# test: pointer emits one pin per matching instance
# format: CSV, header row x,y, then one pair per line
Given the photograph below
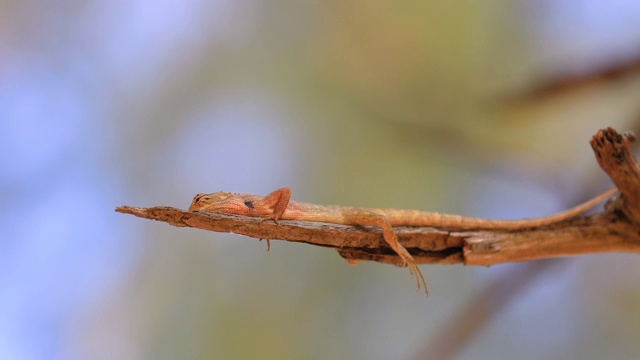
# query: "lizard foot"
x,y
416,273
268,245
414,270
270,217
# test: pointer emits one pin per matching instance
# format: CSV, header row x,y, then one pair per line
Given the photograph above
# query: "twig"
x,y
613,230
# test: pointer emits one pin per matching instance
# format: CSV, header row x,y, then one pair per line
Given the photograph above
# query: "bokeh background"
x,y
443,106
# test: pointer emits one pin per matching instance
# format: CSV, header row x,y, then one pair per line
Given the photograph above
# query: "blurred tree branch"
x,y
568,82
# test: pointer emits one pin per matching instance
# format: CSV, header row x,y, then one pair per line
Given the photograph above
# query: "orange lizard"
x,y
277,206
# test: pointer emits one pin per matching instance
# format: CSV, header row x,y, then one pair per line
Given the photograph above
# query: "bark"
x,y
614,229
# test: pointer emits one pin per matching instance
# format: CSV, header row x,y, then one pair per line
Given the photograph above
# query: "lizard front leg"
x,y
275,203
362,217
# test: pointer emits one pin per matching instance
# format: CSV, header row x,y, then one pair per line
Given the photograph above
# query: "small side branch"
x,y
613,152
616,229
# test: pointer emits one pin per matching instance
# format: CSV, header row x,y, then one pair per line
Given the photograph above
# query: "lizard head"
x,y
221,202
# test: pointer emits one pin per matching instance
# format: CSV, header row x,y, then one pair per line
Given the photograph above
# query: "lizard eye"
x,y
198,197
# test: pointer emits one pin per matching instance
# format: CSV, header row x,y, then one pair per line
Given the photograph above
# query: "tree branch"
x,y
613,230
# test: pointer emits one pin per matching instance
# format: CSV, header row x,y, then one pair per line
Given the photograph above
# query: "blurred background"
x,y
476,108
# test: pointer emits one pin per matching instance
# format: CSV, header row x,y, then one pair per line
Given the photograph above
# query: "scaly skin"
x,y
277,206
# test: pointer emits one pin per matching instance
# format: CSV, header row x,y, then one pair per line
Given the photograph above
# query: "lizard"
x,y
278,206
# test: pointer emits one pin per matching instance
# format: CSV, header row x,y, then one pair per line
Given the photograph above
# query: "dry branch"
x,y
616,229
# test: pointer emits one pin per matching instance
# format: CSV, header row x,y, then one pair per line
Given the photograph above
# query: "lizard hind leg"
x,y
367,218
410,262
